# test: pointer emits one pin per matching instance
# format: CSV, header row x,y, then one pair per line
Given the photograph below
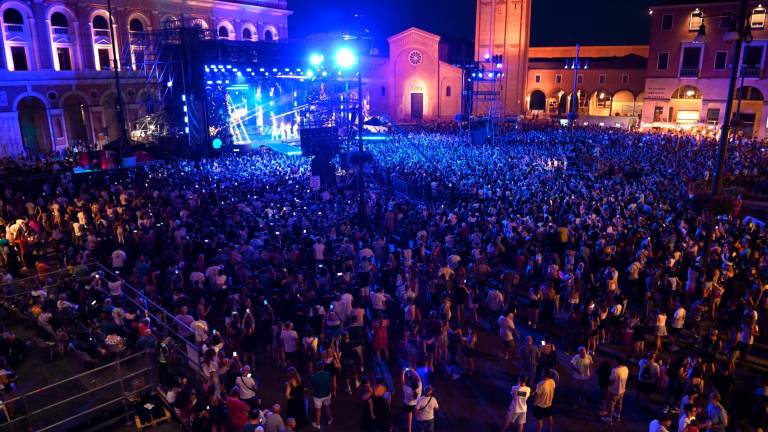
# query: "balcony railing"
x,y
101,32
14,28
689,73
750,72
60,30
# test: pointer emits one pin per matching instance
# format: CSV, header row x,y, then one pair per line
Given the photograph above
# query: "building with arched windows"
x,y
689,65
57,62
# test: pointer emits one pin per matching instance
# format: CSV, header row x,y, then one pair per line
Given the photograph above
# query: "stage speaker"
x,y
321,141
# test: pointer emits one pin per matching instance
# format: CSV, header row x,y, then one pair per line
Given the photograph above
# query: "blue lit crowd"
x,y
585,283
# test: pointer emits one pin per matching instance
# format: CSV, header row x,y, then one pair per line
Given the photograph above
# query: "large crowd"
x,y
616,267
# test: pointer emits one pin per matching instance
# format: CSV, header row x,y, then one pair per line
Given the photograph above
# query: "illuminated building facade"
x,y
609,85
688,72
502,28
413,83
57,87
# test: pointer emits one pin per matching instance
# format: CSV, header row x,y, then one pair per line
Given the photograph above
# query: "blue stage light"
x,y
261,69
216,143
183,98
325,74
248,69
345,58
170,83
310,73
316,59
239,74
274,69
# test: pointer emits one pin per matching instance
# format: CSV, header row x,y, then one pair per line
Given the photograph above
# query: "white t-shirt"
x,y
410,395
619,376
425,408
506,327
678,321
290,340
583,367
520,396
656,426
246,385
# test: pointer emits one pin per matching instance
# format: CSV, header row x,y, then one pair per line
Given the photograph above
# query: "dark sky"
x,y
554,22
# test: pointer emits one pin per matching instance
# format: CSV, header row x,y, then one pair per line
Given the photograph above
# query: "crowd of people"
x,y
628,283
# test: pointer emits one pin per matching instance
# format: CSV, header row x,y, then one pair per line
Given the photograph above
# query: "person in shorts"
x,y
321,395
542,405
518,408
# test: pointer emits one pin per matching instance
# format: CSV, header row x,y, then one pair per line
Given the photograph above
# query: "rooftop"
x,y
630,61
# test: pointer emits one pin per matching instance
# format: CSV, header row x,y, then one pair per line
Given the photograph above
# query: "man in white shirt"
x,y
678,320
290,340
619,376
508,333
581,363
424,412
247,386
518,407
688,414
660,425
118,259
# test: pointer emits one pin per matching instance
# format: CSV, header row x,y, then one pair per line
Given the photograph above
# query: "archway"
x,y
685,105
75,109
33,122
538,101
109,106
747,110
623,104
600,103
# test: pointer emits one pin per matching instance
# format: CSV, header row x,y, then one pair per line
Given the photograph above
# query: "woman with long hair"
x,y
294,395
380,331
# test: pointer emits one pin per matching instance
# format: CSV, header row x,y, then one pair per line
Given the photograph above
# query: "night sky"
x,y
554,22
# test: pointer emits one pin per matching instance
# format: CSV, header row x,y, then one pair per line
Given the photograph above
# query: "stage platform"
x,y
285,148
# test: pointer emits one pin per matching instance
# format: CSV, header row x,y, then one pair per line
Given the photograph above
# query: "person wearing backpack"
x,y
647,377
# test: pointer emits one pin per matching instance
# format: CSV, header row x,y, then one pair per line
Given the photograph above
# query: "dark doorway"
x,y
33,122
417,106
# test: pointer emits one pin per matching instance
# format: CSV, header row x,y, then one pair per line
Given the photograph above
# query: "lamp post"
x,y
119,113
573,112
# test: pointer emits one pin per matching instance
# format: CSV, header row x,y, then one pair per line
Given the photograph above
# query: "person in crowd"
x,y
518,408
424,411
544,395
619,376
321,396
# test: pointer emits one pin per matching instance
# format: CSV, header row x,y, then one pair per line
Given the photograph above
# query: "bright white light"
x,y
316,59
345,58
310,73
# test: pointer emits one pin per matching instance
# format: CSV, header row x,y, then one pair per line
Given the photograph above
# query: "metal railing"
x,y
60,30
689,73
101,33
14,28
750,72
104,392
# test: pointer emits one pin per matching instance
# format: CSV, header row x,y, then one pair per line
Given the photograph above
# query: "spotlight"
x,y
310,73
345,58
487,56
316,59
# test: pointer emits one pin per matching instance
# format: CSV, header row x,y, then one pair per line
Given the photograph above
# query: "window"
x,y
666,22
625,79
537,78
58,19
383,91
658,113
558,78
580,79
720,58
13,16
223,32
448,91
268,36
19,58
247,35
601,79
697,18
691,62
713,115
65,61
136,25
104,61
100,23
752,61
757,21
663,61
